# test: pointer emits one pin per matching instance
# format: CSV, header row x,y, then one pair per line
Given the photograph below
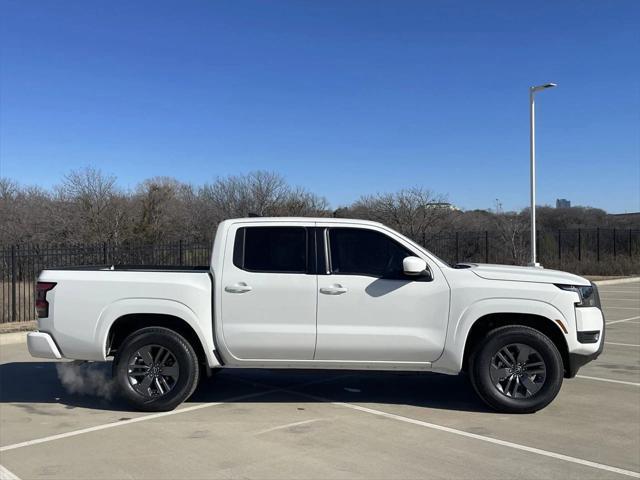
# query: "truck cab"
x,y
328,292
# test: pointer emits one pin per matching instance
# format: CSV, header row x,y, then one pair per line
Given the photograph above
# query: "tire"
x,y
516,369
156,369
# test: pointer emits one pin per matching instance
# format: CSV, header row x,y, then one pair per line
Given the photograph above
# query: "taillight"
x,y
42,306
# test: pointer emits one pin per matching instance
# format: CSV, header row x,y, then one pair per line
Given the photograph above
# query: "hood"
x,y
525,274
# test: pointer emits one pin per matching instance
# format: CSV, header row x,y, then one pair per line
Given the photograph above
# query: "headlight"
x,y
588,295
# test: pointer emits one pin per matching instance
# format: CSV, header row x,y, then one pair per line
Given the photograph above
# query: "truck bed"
x,y
105,293
136,268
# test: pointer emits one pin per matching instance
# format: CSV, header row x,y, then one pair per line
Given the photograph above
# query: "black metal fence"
x,y
585,251
21,264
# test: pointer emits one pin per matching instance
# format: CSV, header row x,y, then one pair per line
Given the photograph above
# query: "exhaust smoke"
x,y
86,378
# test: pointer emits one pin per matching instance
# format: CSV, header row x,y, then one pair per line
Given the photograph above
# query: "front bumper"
x,y
578,360
41,345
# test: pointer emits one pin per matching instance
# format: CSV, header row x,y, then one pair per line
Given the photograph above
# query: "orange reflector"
x,y
564,329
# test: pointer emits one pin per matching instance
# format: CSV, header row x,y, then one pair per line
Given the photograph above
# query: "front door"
x,y
368,310
268,306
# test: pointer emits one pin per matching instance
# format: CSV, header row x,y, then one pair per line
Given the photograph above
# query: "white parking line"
x,y
483,438
610,380
288,425
622,344
623,320
462,433
622,308
143,418
153,416
96,428
6,474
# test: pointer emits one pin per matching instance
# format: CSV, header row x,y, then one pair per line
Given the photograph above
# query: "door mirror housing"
x,y
414,266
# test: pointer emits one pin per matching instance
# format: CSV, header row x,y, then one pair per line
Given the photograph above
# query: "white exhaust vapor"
x,y
86,378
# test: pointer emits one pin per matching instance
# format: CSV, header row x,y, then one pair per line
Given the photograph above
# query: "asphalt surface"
x,y
296,424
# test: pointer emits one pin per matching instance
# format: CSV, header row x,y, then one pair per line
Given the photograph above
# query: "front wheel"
x,y
156,369
516,369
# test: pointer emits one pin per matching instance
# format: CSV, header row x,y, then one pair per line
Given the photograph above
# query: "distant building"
x,y
563,203
629,216
443,205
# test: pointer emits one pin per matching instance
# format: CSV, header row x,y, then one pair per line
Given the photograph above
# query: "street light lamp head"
x,y
542,87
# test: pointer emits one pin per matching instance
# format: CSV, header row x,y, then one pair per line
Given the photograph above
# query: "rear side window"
x,y
356,251
271,249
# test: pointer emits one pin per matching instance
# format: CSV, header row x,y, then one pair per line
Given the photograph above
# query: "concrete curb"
x,y
617,281
13,337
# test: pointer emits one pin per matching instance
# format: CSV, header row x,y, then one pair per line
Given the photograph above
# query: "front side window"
x,y
271,249
356,251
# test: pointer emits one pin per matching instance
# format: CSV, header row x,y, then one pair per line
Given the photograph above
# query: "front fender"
x,y
131,306
485,307
453,355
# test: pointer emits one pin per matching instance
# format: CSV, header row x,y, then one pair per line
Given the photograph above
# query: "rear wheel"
x,y
156,369
516,369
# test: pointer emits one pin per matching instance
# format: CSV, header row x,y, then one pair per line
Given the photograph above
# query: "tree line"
x,y
88,206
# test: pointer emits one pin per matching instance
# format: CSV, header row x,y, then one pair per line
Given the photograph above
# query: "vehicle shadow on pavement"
x,y
418,389
25,383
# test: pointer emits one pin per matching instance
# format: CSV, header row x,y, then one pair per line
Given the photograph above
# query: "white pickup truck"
x,y
327,294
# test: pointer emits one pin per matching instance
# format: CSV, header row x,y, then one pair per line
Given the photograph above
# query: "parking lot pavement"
x,y
298,424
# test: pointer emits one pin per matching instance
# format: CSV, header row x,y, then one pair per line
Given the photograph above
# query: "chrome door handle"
x,y
333,290
240,287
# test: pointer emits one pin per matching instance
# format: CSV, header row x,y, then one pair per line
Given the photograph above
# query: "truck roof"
x,y
303,219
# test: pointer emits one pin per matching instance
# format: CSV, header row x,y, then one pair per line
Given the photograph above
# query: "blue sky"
x,y
344,98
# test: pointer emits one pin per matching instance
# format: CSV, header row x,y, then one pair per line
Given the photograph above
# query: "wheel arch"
x,y
125,325
483,325
125,316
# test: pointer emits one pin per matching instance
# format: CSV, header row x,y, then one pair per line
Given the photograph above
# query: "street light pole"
x,y
532,158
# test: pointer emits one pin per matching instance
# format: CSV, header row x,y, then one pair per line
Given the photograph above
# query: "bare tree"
x,y
302,203
162,209
259,193
24,213
90,207
415,212
511,228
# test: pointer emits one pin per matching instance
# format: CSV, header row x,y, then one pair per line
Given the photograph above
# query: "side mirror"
x,y
413,266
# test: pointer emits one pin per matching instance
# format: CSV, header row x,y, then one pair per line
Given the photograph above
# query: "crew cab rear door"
x,y
368,310
268,300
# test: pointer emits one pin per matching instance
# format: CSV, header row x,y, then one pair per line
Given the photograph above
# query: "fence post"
x,y
598,244
104,253
486,246
180,252
579,244
457,248
614,243
559,245
14,310
629,243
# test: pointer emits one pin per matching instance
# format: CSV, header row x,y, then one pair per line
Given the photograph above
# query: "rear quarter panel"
x,y
84,305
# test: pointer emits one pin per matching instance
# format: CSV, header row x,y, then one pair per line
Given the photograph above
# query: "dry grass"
x,y
11,327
